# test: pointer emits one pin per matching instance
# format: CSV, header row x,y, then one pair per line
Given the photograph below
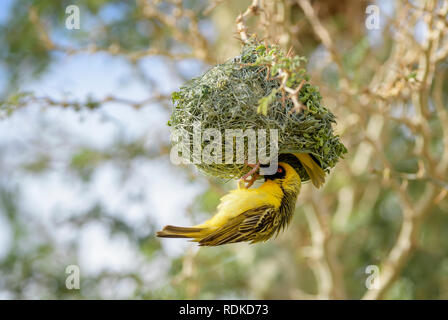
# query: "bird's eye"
x,y
280,170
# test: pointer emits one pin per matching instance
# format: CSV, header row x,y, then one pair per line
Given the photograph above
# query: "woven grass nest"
x,y
245,92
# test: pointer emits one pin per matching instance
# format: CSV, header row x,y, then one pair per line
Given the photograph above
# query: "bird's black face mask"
x,y
280,174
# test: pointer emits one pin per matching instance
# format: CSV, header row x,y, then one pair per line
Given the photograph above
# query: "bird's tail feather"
x,y
180,232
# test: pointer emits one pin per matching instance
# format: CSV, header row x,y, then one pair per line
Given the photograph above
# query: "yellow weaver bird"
x,y
252,215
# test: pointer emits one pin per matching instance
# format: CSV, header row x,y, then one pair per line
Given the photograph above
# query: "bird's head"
x,y
286,177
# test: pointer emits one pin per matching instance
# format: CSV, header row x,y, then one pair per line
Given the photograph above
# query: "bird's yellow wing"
x,y
242,200
253,225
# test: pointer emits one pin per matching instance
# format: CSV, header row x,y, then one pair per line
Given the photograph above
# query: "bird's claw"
x,y
244,182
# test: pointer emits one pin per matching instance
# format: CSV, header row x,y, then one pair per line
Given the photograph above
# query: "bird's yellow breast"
x,y
241,200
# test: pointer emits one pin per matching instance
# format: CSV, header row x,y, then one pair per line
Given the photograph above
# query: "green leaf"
x,y
265,102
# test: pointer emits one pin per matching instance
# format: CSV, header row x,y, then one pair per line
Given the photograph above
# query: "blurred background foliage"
x,y
384,205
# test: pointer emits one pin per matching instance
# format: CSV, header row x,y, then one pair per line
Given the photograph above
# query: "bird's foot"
x,y
245,182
